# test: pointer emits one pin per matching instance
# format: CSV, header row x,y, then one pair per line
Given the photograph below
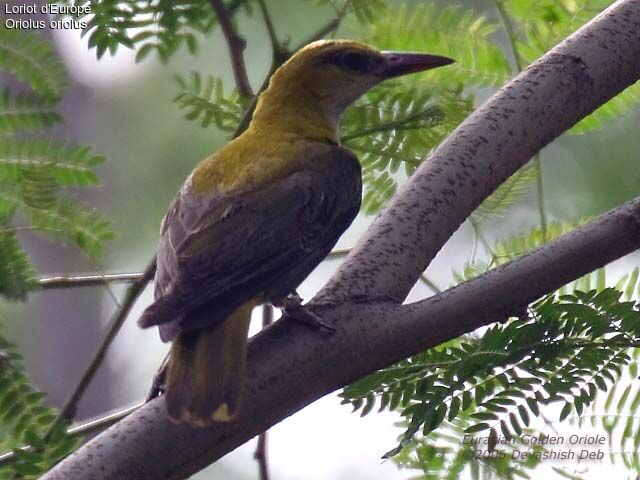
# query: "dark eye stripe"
x,y
355,62
350,61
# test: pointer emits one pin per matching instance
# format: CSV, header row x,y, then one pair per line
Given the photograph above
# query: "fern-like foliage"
x,y
67,165
24,112
32,60
58,217
566,350
36,181
452,31
25,420
160,26
206,102
505,196
15,271
37,176
615,412
511,247
449,452
396,125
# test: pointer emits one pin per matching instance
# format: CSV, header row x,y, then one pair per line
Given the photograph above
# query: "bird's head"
x,y
328,75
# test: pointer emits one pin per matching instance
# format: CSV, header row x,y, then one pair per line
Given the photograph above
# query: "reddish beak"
x,y
401,63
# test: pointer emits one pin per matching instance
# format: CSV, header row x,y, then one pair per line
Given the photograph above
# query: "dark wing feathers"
x,y
220,251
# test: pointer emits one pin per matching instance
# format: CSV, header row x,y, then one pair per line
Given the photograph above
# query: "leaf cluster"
x,y
33,61
567,349
39,177
205,101
447,451
394,126
25,420
148,26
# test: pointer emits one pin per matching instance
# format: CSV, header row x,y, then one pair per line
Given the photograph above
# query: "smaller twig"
x,y
511,36
323,31
429,283
410,122
548,423
73,281
542,210
279,52
339,252
91,426
329,28
261,457
68,411
236,45
261,450
278,59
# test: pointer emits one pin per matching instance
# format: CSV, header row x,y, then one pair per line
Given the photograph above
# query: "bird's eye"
x,y
355,62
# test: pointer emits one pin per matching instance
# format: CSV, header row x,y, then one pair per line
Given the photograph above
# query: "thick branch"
x,y
580,74
290,366
236,46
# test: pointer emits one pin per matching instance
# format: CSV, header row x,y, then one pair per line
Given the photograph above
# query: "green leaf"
x,y
68,165
394,126
452,31
506,195
204,101
478,427
16,275
25,112
32,60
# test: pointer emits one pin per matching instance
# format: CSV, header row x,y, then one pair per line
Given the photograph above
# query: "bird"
x,y
254,219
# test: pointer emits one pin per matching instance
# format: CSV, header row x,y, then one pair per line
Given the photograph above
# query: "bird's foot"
x,y
293,309
157,386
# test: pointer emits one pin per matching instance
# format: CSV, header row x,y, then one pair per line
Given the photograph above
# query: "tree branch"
x,y
236,46
326,29
73,281
587,69
279,52
569,82
50,283
369,336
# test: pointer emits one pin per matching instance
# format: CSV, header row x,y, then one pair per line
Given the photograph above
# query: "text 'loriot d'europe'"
x,y
11,22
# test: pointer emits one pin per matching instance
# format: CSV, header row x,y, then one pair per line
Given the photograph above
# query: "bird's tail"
x,y
205,376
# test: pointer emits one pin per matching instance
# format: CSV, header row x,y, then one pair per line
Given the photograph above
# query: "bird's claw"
x,y
157,386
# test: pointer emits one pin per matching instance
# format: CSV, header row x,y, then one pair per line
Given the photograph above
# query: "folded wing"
x,y
218,251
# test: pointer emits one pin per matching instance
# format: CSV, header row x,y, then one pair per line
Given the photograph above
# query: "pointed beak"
x,y
401,63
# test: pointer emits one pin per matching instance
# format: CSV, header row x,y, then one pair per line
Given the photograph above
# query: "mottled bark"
x,y
577,76
290,366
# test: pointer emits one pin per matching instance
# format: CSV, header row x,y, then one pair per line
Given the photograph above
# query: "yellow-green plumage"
x,y
254,219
